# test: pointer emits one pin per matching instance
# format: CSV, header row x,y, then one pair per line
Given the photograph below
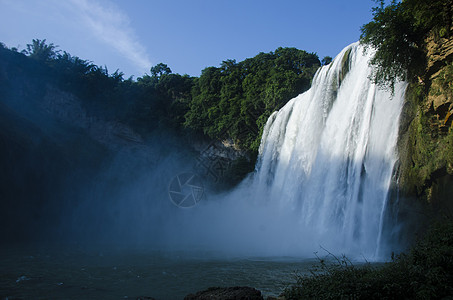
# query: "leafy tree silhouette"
x,y
39,50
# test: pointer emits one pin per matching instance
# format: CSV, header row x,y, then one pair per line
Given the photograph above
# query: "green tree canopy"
x,y
398,32
160,69
232,101
326,60
235,99
39,50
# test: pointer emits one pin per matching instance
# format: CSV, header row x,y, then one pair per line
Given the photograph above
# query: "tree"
x,y
235,99
433,15
160,69
398,32
39,50
326,60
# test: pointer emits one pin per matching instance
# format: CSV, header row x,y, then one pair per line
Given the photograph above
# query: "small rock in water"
x,y
227,293
22,278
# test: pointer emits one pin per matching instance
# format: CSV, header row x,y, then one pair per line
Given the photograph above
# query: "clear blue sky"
x,y
187,35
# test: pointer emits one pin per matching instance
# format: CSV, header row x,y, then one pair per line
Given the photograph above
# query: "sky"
x,y
187,35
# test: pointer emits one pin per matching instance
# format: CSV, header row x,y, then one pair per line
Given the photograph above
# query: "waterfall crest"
x,y
328,155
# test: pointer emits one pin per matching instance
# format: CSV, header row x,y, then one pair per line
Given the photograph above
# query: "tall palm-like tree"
x,y
39,50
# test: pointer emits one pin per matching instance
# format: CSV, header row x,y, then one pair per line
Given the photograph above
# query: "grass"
x,y
424,272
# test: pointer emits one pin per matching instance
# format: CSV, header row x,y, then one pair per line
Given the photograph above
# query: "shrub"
x,y
425,272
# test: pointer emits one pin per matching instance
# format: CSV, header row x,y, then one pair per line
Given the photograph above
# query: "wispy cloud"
x,y
112,26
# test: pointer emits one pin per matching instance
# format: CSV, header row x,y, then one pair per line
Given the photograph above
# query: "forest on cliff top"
x,y
231,101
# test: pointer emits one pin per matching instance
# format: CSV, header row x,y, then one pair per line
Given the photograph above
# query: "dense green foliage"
x,y
426,272
152,102
398,32
231,101
235,99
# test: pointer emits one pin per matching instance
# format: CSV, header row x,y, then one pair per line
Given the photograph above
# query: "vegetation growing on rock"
x,y
231,101
399,33
425,272
237,98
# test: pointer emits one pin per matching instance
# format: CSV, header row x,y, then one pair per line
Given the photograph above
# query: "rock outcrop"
x,y
426,134
439,102
227,293
67,108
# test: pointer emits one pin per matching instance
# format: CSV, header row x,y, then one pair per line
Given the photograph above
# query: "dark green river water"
x,y
73,273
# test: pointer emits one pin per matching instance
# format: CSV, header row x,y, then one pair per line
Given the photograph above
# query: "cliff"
x,y
426,134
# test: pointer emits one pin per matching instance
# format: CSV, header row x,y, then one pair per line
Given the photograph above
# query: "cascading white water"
x,y
322,179
328,155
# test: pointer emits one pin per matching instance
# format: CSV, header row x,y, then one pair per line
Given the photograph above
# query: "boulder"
x,y
227,293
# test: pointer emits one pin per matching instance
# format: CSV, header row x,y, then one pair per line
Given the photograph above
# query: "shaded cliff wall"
x,y
426,138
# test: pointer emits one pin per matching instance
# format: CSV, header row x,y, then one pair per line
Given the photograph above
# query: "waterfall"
x,y
322,179
327,156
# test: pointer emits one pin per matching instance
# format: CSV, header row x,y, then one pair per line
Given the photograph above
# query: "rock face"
x,y
426,135
227,293
67,108
221,163
440,69
439,51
